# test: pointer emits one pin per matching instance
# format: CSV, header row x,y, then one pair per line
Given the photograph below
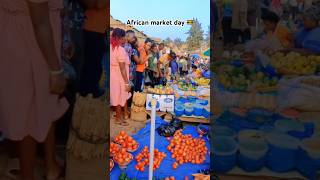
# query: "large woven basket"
x,y
89,133
141,114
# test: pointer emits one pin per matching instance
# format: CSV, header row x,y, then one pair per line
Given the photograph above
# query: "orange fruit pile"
x,y
143,159
114,148
186,149
122,157
126,141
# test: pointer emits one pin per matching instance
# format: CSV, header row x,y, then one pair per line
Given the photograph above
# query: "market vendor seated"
x,y
276,36
308,38
195,72
276,31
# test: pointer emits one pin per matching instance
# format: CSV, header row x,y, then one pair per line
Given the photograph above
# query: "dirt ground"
x,y
4,159
132,128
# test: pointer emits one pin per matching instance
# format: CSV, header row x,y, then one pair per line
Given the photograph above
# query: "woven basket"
x,y
140,115
89,133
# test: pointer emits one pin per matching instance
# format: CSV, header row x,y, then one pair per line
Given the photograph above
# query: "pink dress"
x,y
27,108
118,94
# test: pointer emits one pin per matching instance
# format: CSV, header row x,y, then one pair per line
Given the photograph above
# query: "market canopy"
x,y
207,52
195,55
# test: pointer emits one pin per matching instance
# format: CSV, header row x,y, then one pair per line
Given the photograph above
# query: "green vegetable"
x,y
122,176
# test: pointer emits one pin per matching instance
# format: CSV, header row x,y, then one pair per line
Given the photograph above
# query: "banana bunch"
x,y
202,81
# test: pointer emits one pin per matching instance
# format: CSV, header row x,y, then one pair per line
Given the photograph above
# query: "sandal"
x,y
13,169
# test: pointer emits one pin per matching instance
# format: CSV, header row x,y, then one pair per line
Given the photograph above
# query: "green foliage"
x,y
195,37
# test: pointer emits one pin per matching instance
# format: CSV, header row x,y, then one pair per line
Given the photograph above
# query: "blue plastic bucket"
x,y
294,128
202,102
179,110
188,109
224,151
206,112
223,131
252,154
192,99
309,158
251,134
197,110
312,147
259,115
286,125
182,100
283,149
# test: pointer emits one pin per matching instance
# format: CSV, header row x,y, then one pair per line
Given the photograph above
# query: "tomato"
x,y
186,149
143,158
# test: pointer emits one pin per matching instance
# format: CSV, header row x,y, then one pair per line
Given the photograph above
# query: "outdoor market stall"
x,y
181,152
189,99
169,165
261,130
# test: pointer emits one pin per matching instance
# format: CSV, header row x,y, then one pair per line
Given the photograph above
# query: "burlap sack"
x,y
89,135
138,110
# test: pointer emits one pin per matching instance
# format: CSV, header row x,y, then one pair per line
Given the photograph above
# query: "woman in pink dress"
x,y
119,75
32,79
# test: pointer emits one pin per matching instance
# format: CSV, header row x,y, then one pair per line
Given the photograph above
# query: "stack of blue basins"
x,y
283,151
252,150
188,109
224,154
309,158
224,148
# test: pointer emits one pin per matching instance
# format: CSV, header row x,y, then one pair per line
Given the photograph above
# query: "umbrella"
x,y
195,55
207,52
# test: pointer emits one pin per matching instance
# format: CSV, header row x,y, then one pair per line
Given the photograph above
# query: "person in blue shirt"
x,y
173,63
206,72
308,37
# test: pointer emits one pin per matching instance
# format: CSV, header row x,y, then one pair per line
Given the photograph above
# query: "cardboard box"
x,y
167,103
148,102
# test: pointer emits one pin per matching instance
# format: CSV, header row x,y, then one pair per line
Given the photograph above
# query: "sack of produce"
x,y
138,110
89,135
301,93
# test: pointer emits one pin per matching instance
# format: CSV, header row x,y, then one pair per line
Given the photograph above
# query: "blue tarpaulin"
x,y
161,143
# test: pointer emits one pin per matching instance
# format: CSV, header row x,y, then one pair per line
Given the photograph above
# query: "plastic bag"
x,y
294,93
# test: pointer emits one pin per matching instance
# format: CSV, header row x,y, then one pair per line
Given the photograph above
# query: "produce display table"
x,y
257,99
165,169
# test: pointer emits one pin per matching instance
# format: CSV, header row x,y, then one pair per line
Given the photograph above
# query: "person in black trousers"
x,y
94,49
